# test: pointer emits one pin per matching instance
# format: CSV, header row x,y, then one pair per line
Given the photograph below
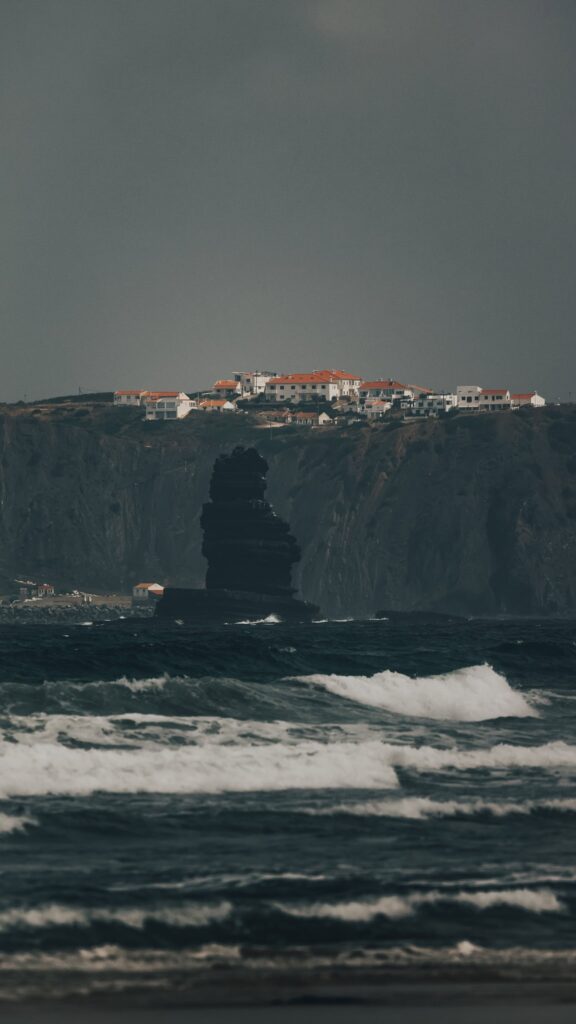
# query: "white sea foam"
x,y
472,694
548,756
538,901
52,915
14,823
270,620
49,768
418,808
111,959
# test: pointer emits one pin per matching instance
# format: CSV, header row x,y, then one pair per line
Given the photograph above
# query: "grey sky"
x,y
193,186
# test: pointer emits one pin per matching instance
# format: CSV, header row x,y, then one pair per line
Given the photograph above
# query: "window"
x,y
314,387
281,387
469,399
293,387
323,387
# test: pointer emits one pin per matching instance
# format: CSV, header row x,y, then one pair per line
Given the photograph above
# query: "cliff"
x,y
467,514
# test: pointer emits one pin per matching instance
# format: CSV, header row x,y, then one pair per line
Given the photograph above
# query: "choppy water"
x,y
357,794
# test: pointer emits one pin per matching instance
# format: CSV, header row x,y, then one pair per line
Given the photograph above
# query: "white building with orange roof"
x,y
253,382
527,398
216,405
388,390
317,386
226,387
130,397
168,405
478,399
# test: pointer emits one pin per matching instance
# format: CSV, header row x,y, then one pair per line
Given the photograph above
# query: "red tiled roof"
x,y
131,392
527,394
154,395
230,385
213,402
494,391
378,385
315,377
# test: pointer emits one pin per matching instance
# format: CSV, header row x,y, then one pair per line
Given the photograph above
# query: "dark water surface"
x,y
341,796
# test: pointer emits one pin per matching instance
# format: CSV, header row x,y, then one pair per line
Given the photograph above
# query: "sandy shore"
x,y
465,1014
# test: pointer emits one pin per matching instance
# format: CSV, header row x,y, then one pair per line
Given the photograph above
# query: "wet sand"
x,y
463,1014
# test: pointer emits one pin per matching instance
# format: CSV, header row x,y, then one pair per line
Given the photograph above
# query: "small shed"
x,y
144,592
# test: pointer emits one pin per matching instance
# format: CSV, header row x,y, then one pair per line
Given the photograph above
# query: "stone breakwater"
x,y
73,613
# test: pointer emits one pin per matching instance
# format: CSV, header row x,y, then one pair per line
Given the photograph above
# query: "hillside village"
x,y
322,398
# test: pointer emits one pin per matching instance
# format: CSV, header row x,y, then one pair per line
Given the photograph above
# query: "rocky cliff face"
x,y
471,514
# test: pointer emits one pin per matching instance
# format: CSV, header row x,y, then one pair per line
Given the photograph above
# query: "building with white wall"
x,y
478,399
317,386
528,398
388,390
130,397
253,382
217,405
168,405
228,388
434,404
376,408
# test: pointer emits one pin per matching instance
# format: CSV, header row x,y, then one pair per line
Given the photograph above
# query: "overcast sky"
x,y
194,186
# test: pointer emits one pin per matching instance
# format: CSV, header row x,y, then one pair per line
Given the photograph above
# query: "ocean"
x,y
187,810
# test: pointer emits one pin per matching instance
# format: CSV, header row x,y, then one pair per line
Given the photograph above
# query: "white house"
x,y
168,405
389,391
309,419
376,408
477,399
228,388
528,398
133,397
434,404
495,399
253,382
217,405
468,396
317,386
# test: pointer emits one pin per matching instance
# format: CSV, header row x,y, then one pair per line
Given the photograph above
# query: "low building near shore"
x,y
29,590
142,593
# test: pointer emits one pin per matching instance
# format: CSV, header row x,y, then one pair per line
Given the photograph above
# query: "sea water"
x,y
342,795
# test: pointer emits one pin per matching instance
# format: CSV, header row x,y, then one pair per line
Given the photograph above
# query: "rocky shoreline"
x,y
34,614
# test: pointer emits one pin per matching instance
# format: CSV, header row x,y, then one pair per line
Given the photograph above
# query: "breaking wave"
x,y
535,901
472,694
49,768
419,808
14,823
55,915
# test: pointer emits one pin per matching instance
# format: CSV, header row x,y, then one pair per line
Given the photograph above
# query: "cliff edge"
x,y
469,514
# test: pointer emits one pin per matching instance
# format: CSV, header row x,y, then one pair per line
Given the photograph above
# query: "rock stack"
x,y
249,549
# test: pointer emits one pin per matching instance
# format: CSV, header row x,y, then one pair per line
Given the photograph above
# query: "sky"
x,y
190,187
